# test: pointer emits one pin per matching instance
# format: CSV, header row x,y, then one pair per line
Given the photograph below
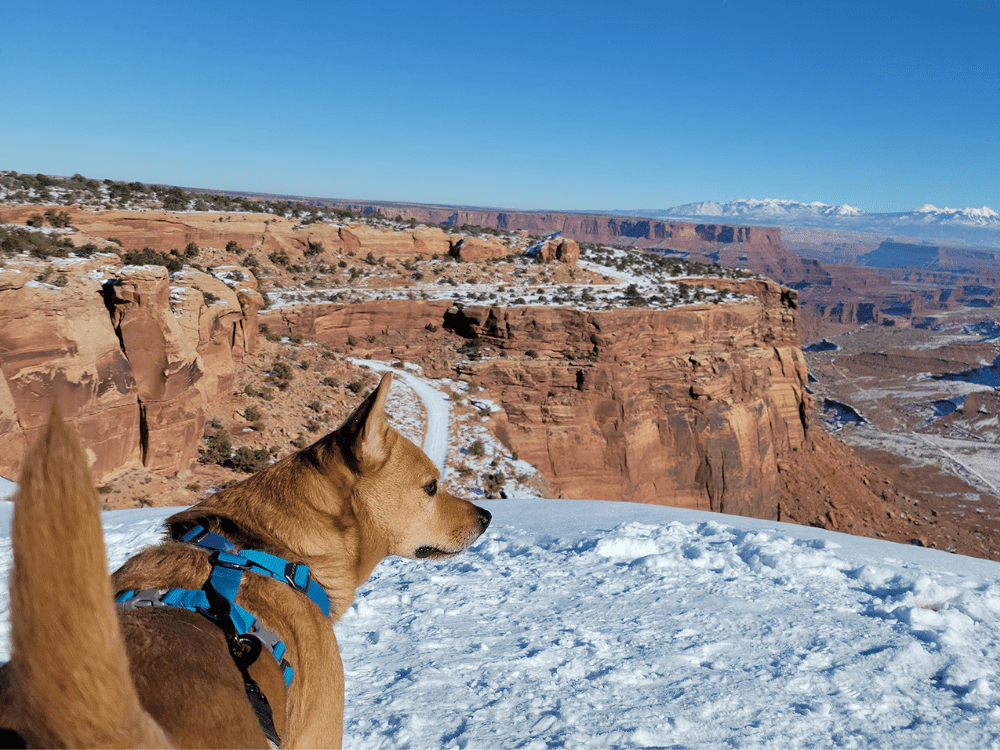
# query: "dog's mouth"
x,y
433,553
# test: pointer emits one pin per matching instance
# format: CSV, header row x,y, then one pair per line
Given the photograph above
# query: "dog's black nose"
x,y
484,519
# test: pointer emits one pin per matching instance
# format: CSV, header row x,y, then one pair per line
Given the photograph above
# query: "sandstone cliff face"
x,y
688,407
165,365
57,346
121,367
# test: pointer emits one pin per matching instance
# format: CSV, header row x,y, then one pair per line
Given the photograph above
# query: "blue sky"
x,y
545,105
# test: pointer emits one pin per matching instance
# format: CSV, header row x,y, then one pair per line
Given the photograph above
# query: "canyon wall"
x,y
596,228
689,407
115,359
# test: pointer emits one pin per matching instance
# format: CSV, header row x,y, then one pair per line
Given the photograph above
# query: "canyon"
x,y
701,405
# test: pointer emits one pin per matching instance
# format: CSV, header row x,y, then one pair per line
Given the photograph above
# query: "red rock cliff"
x,y
121,367
688,407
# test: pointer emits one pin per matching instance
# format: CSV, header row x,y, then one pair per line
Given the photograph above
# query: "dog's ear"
x,y
364,434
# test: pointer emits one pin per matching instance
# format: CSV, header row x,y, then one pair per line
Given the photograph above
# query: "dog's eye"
x,y
431,487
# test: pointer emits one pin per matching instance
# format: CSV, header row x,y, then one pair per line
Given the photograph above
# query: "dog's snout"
x,y
484,519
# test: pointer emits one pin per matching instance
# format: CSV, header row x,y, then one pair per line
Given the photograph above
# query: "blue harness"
x,y
217,599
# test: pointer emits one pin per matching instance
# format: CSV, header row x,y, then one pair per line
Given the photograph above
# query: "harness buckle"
x,y
230,562
133,599
298,576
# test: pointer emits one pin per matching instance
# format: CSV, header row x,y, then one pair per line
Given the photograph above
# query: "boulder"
x,y
566,251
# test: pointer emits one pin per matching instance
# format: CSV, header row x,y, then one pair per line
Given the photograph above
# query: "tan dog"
x,y
82,675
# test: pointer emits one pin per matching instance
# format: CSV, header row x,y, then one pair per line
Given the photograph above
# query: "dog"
x,y
85,675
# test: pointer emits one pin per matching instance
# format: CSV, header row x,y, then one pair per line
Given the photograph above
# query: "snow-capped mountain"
x,y
975,226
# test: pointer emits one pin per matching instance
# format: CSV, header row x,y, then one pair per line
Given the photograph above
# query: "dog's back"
x,y
69,661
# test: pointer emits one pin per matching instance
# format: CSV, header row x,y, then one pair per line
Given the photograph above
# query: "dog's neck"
x,y
339,571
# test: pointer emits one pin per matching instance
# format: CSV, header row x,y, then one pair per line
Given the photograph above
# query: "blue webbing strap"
x,y
217,600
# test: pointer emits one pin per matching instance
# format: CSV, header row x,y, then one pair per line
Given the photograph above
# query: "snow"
x,y
597,624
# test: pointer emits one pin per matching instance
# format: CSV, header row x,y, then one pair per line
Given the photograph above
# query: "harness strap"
x,y
216,600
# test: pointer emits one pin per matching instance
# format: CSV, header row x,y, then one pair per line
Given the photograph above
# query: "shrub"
x,y
282,370
494,482
57,218
251,414
477,448
356,386
250,460
265,331
149,257
315,405
218,450
332,382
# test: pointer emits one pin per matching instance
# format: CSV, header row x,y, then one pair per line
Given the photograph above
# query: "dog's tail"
x,y
70,669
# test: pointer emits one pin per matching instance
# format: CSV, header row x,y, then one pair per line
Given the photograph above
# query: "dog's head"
x,y
396,490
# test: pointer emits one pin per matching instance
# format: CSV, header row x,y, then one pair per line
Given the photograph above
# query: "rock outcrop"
x,y
123,365
58,346
566,251
690,407
476,250
165,365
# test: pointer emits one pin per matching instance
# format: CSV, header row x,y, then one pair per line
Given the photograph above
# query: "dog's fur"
x,y
82,675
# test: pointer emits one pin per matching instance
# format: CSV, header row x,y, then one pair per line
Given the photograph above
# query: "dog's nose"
x,y
484,519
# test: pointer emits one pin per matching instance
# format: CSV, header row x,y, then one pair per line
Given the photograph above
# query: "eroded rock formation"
x,y
689,407
58,346
123,369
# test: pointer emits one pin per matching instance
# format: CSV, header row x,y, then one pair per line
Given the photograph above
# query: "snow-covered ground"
x,y
660,284
594,624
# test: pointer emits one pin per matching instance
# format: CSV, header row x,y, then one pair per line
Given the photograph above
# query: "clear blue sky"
x,y
559,105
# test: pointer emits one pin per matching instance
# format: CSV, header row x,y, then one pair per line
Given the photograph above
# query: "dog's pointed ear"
x,y
365,433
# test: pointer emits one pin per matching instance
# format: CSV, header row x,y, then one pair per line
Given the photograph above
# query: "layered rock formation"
x,y
596,228
689,407
121,367
58,346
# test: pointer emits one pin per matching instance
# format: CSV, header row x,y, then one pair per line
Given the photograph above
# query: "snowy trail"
x,y
435,403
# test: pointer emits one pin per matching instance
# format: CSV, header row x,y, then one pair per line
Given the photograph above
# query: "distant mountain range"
x,y
970,226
